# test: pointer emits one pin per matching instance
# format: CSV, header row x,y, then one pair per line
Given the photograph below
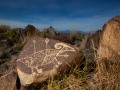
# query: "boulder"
x,y
50,32
43,58
108,62
8,81
30,30
110,41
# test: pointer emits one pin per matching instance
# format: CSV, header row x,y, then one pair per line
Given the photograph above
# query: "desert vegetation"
x,y
93,73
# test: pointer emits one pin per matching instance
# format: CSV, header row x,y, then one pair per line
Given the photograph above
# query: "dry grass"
x,y
68,83
108,74
106,77
74,81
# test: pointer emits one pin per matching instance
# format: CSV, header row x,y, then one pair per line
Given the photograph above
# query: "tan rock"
x,y
110,42
8,81
43,58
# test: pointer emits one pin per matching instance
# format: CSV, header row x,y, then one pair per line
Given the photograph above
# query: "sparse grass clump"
x,y
108,74
75,80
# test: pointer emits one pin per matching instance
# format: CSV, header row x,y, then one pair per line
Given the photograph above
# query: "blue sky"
x,y
84,15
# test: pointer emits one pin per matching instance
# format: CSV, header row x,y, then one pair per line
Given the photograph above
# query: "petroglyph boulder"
x,y
43,58
8,81
110,42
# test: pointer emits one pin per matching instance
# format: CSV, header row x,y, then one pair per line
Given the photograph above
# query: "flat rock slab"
x,y
8,81
43,58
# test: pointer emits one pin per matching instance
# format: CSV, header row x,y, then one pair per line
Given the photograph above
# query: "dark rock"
x,y
5,55
30,30
42,59
50,32
6,43
8,81
63,38
9,43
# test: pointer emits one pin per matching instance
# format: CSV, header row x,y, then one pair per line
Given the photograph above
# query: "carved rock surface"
x,y
8,81
43,58
110,42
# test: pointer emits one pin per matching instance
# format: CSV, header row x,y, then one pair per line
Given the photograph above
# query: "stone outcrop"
x,y
8,81
30,30
50,32
110,42
43,58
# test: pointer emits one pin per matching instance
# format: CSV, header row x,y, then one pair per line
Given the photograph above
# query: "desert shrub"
x,y
6,55
16,49
74,35
4,28
11,34
94,39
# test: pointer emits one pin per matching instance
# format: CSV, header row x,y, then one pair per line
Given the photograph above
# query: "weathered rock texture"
x,y
110,42
108,63
43,58
8,81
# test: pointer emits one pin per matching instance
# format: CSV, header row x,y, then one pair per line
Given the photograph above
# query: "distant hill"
x,y
69,31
